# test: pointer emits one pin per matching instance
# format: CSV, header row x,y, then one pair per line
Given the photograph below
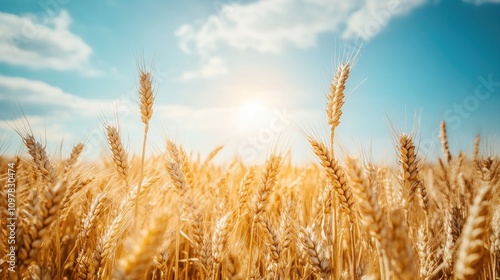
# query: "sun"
x,y
252,115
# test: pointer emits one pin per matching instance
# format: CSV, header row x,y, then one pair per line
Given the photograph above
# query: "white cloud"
x,y
266,26
54,115
269,26
47,97
40,41
45,129
214,67
374,15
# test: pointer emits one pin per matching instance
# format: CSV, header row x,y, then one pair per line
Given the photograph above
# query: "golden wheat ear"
x,y
336,174
220,242
142,251
261,198
336,98
477,141
400,251
41,159
118,152
244,191
410,180
147,97
372,216
266,187
73,158
47,213
317,256
470,253
443,136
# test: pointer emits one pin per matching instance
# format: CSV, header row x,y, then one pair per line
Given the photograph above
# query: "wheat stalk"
x,y
186,167
261,198
41,159
174,168
70,195
475,154
273,247
369,208
47,213
146,95
146,106
409,169
73,158
336,98
134,265
119,155
471,250
443,136
219,241
336,175
212,154
425,254
317,256
96,209
400,253
245,191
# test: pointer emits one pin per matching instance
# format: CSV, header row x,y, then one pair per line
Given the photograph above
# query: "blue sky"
x,y
250,74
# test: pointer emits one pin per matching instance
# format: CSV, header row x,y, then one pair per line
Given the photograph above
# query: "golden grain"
x,y
339,218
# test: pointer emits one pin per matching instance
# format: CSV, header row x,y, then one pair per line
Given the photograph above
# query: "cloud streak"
x,y
271,26
214,67
43,43
47,98
373,16
265,26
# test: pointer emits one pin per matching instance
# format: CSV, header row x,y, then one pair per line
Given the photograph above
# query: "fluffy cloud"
x,y
269,26
54,115
45,129
373,16
266,26
43,41
214,67
45,98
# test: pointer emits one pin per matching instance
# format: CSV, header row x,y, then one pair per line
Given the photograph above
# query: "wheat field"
x,y
177,216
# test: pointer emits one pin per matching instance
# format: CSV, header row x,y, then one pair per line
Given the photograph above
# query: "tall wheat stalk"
x,y
471,250
336,99
261,199
147,98
119,154
443,136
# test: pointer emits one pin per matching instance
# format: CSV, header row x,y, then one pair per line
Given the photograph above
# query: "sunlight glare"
x,y
252,116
